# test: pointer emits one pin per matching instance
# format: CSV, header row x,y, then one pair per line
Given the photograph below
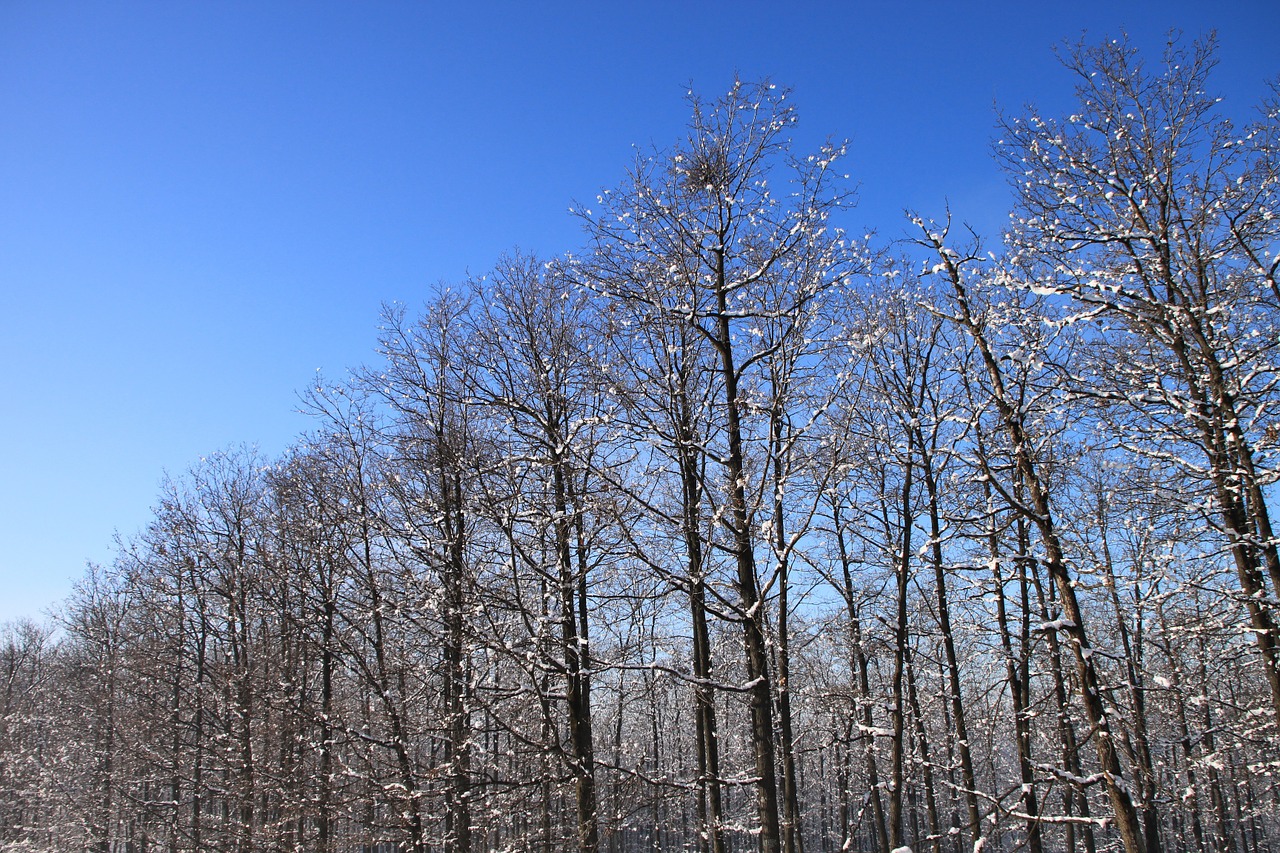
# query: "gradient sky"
x,y
202,203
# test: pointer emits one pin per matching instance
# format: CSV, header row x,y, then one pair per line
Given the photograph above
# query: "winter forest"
x,y
732,531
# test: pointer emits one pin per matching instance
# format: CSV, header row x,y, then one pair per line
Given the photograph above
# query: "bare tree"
x,y
532,333
1152,214
1014,421
703,222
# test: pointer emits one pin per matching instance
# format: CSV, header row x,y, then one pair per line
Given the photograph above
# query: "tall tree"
x,y
1015,421
533,333
1154,216
434,456
704,219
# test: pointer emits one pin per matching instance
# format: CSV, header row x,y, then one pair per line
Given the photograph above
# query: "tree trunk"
x,y
859,669
954,694
1127,822
760,691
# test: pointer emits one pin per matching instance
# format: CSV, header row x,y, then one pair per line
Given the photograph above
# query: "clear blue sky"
x,y
201,203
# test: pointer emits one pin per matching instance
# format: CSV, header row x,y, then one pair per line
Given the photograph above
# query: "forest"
x,y
732,531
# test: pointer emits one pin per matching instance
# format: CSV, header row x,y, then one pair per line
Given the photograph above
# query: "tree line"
x,y
731,532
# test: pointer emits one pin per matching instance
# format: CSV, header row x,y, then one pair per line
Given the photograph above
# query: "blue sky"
x,y
202,203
